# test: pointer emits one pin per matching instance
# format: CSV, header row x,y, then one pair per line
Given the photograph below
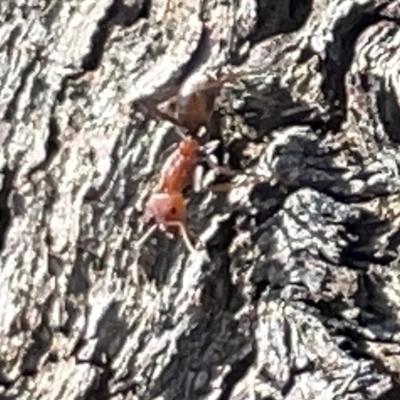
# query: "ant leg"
x,y
138,270
202,182
198,176
220,169
145,237
232,77
216,82
186,239
221,187
207,151
185,234
156,113
210,146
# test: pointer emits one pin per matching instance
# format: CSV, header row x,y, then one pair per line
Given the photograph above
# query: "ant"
x,y
192,107
190,110
166,206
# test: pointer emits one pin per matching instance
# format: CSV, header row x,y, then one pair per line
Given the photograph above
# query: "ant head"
x,y
165,207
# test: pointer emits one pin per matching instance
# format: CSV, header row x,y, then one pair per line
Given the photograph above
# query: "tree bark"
x,y
297,295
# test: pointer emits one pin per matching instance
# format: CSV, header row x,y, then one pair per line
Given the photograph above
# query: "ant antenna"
x,y
185,234
160,115
138,270
145,237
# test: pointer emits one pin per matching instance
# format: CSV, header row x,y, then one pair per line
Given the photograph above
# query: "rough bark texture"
x,y
300,297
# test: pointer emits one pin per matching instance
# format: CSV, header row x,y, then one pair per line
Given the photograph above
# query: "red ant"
x,y
166,206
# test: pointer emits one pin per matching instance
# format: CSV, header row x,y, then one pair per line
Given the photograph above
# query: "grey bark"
x,y
299,296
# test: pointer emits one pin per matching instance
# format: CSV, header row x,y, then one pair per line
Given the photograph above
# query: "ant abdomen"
x,y
178,169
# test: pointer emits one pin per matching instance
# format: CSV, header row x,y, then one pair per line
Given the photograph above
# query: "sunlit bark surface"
x,y
297,294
